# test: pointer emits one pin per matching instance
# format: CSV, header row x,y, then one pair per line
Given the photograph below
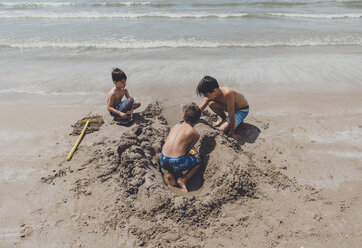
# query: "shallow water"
x,y
69,47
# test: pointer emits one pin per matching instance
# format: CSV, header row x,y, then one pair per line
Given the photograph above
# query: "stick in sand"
x,y
80,137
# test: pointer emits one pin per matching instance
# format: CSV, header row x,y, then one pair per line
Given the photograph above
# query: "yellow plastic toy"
x,y
80,137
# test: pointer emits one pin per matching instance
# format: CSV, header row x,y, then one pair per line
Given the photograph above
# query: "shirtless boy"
x,y
175,156
221,100
120,110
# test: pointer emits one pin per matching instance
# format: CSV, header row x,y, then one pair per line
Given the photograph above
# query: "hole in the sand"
x,y
222,177
207,145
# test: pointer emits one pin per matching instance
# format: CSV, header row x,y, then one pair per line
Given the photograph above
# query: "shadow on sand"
x,y
207,145
248,133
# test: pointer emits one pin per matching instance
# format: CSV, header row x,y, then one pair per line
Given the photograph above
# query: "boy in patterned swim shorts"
x,y
176,152
221,100
120,110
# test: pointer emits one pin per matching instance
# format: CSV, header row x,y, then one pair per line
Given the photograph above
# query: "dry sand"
x,y
294,179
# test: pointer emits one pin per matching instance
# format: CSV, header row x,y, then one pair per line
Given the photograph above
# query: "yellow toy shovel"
x,y
80,137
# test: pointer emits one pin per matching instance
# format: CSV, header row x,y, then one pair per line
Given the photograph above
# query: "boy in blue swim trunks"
x,y
176,156
120,110
221,100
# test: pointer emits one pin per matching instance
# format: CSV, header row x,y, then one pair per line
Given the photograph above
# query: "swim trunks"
x,y
179,163
122,106
240,115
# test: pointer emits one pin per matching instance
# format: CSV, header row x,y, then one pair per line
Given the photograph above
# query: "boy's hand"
x,y
130,114
122,115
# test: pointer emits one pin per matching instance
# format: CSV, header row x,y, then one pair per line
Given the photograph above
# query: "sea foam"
x,y
98,15
318,16
132,43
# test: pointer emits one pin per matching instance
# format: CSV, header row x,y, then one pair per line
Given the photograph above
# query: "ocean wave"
x,y
100,15
253,3
318,16
120,4
159,44
94,4
35,4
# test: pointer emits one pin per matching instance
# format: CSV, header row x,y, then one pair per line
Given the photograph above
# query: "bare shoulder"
x,y
111,92
232,91
195,133
227,91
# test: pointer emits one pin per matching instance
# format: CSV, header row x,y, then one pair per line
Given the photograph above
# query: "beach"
x,y
293,179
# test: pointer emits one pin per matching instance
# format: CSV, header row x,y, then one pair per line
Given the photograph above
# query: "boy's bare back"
x,y
180,140
239,99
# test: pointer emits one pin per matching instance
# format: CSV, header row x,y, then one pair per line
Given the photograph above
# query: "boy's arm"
x,y
126,93
204,104
128,96
195,138
230,102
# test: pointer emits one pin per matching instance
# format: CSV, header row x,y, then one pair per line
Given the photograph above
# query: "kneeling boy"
x,y
221,100
175,156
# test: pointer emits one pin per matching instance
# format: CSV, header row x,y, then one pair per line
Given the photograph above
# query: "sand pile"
x,y
93,126
141,196
139,201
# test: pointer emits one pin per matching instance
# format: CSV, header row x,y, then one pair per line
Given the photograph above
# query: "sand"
x,y
294,179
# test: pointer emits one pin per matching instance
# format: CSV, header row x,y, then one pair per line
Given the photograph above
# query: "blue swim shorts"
x,y
122,106
240,115
179,164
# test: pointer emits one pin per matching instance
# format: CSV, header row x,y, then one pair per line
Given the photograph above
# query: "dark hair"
x,y
206,85
118,75
192,113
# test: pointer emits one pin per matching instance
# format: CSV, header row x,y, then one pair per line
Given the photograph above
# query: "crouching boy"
x,y
221,100
175,156
120,110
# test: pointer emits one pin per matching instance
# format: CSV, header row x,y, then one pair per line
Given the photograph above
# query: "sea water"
x,y
68,48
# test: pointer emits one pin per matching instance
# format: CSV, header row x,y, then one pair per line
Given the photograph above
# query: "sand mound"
x,y
141,202
143,193
94,125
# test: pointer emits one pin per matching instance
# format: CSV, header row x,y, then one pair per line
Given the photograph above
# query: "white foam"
x,y
110,15
35,4
318,16
123,3
132,43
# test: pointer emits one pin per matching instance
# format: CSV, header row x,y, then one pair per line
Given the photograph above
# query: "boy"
x,y
120,110
221,100
175,156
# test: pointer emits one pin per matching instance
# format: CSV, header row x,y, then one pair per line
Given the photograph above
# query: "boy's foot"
x,y
181,182
218,123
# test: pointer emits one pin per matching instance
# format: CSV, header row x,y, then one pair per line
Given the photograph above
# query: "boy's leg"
x,y
182,181
239,118
225,127
136,105
129,105
171,179
132,106
219,110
